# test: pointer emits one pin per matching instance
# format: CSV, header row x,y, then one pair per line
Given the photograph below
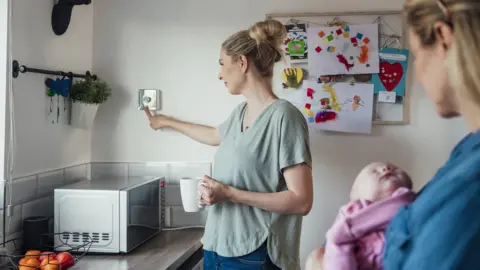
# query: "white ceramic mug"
x,y
189,193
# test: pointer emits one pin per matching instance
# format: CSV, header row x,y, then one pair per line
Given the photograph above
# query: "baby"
x,y
356,239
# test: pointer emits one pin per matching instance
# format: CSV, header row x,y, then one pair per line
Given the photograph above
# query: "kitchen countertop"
x,y
167,250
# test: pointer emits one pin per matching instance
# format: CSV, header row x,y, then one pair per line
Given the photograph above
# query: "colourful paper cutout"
x,y
393,71
330,38
308,106
311,120
390,75
339,32
310,92
308,112
292,77
333,96
347,28
363,58
318,49
354,41
326,40
295,45
331,49
359,36
341,58
321,34
325,104
296,48
324,116
357,102
366,40
346,34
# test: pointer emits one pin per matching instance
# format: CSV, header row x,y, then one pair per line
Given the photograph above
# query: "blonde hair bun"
x,y
268,31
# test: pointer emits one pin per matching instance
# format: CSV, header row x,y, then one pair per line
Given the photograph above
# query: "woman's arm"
x,y
450,238
298,199
200,133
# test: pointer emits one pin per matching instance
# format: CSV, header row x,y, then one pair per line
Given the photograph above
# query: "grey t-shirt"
x,y
254,161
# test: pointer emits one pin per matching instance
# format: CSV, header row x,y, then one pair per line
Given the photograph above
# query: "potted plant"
x,y
86,95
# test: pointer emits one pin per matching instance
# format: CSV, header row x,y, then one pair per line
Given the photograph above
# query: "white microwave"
x,y
111,214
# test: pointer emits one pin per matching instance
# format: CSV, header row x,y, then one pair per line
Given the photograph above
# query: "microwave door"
x,y
142,214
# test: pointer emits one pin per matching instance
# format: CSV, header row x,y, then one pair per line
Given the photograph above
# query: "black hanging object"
x,y
17,69
62,13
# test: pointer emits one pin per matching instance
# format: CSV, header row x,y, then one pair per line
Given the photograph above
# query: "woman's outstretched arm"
x,y
200,133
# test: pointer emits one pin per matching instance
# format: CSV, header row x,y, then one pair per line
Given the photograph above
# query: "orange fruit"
x,y
27,268
33,254
32,262
48,260
52,265
28,264
23,261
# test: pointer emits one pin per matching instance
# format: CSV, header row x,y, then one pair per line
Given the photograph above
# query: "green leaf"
x,y
90,91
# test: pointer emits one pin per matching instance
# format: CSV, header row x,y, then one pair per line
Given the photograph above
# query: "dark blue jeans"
x,y
257,260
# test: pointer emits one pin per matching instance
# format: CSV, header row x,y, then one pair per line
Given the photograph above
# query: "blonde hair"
x,y
260,44
464,56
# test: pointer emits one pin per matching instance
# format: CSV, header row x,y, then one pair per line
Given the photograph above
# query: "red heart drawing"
x,y
390,75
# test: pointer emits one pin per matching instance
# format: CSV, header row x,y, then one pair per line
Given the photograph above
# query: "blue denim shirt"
x,y
441,229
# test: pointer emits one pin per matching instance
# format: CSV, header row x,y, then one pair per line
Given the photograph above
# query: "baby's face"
x,y
377,181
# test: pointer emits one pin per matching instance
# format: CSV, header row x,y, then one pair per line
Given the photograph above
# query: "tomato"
x,y
45,255
66,259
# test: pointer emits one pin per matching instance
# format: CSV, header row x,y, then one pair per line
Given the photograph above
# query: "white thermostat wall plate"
x,y
151,98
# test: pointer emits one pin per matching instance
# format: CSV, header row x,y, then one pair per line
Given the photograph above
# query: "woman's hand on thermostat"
x,y
156,121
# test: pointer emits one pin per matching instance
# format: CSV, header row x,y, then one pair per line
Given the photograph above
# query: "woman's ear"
x,y
243,62
444,35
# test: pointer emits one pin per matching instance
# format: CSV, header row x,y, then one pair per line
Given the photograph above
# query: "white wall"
x,y
41,145
3,82
174,46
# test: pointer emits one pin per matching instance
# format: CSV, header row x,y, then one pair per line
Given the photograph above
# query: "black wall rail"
x,y
17,69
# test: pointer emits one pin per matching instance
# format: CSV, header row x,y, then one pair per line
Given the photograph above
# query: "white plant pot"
x,y
83,115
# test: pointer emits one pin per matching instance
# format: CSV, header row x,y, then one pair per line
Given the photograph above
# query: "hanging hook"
x,y
398,43
90,76
384,45
332,22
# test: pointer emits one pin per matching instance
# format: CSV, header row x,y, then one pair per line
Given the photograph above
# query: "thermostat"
x,y
151,98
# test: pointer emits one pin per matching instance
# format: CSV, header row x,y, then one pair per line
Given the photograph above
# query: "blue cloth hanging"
x,y
59,86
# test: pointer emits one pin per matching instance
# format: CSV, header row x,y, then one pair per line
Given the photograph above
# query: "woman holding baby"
x,y
440,229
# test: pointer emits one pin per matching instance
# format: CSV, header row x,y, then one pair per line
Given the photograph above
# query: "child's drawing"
x,y
343,49
339,107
